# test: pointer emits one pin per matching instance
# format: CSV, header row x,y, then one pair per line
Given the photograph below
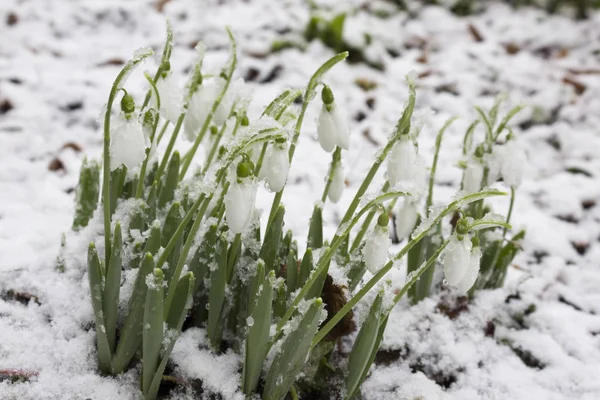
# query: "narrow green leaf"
x,y
291,277
259,325
96,289
179,308
154,241
117,181
152,330
315,231
172,222
233,255
507,119
287,244
151,202
131,333
358,362
216,295
167,190
306,267
288,362
317,287
204,255
268,251
110,300
278,106
468,139
87,193
378,341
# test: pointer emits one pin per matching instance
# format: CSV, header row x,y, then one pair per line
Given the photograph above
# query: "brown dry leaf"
x,y
578,86
56,165
160,5
475,33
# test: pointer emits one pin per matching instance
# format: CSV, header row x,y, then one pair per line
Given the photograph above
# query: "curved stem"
x,y
438,145
510,209
335,162
169,149
140,185
367,222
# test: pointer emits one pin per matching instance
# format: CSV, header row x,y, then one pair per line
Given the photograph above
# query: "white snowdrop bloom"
x,y
402,162
200,106
336,188
342,132
513,163
326,130
170,97
127,144
493,162
406,219
473,177
376,249
276,167
457,258
472,271
239,204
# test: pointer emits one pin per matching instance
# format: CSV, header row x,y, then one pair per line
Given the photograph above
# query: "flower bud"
x,y
244,169
336,188
326,130
383,220
239,204
376,249
127,104
327,95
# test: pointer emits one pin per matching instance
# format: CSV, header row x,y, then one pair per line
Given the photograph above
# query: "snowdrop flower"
x,y
493,161
201,104
170,97
472,272
336,188
127,140
406,219
513,161
457,259
332,129
377,246
403,163
240,199
276,167
473,176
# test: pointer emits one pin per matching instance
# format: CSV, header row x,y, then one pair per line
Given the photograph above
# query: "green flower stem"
x,y
328,254
438,145
166,55
510,209
261,158
335,162
455,205
162,132
106,153
215,146
169,149
309,94
192,151
367,222
140,186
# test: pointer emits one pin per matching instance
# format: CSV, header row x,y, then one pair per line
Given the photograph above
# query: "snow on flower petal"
x,y
457,259
376,249
127,144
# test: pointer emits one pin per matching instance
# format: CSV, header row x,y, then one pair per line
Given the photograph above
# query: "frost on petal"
x,y
376,249
326,130
457,260
406,219
342,133
473,177
170,97
402,163
513,163
277,166
472,272
336,188
239,205
127,144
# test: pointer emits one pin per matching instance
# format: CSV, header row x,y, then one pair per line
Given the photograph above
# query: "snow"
x,y
56,67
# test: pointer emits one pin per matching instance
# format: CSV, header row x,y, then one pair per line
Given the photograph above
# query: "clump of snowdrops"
x,y
189,241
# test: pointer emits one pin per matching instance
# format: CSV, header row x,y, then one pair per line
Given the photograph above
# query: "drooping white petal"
x,y
222,111
513,163
342,133
457,259
406,219
239,205
198,110
472,272
170,97
402,162
473,177
326,130
127,144
493,162
376,249
336,188
276,167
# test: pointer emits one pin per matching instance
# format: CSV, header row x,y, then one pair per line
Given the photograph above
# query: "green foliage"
x,y
87,194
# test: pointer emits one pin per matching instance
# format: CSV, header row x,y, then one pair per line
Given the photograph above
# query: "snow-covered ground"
x,y
537,338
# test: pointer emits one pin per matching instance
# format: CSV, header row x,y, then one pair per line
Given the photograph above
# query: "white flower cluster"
x,y
461,263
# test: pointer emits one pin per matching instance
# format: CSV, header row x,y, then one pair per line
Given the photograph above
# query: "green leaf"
x,y
269,249
154,241
172,222
110,300
95,279
358,362
204,255
288,362
468,139
167,190
233,255
131,333
151,202
216,295
277,107
152,330
287,244
378,341
507,118
306,267
317,287
315,230
117,181
505,258
179,308
291,277
87,193
259,325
